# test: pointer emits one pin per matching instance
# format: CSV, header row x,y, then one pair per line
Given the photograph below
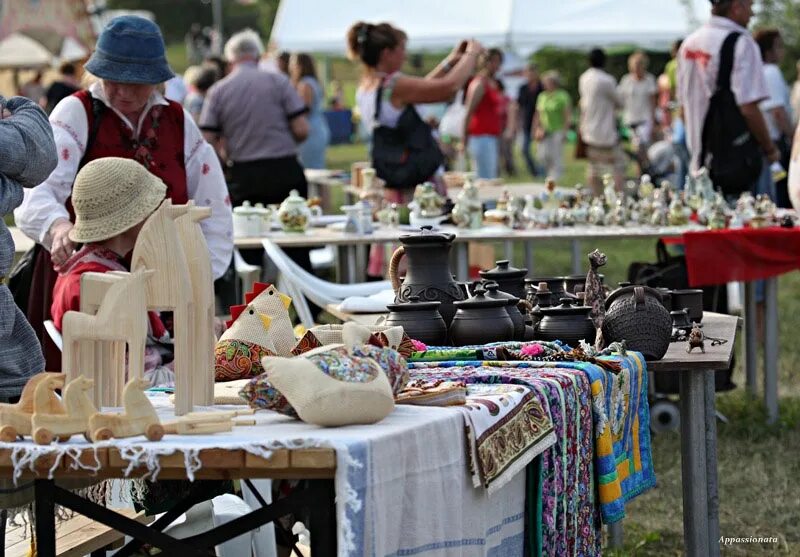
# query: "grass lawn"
x,y
759,465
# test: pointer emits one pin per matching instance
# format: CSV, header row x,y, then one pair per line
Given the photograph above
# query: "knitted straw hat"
x,y
110,196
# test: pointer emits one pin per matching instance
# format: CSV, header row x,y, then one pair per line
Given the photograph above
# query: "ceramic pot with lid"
x,y
692,299
555,285
480,320
509,279
493,291
566,322
571,282
428,276
680,319
294,213
636,315
420,320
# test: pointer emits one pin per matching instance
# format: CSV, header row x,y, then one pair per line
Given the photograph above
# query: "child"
x,y
112,198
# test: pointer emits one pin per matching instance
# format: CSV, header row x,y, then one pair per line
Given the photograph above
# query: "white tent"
x,y
520,25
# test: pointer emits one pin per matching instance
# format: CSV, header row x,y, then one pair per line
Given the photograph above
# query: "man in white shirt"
x,y
777,109
698,66
598,125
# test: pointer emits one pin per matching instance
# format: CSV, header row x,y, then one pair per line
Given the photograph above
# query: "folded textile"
x,y
433,393
375,303
506,429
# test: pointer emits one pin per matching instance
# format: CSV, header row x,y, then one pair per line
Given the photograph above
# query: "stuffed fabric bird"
x,y
239,350
266,299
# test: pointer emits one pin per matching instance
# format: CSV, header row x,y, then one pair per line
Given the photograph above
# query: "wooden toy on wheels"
x,y
79,408
139,417
15,419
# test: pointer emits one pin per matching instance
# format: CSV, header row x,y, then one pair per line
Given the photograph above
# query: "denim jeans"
x,y
530,160
485,151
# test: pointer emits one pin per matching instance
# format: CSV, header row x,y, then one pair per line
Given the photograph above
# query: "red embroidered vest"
x,y
159,147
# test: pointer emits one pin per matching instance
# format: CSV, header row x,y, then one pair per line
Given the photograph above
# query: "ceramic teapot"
x,y
428,276
566,322
294,213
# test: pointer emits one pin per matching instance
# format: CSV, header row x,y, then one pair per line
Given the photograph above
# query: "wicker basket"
x,y
636,315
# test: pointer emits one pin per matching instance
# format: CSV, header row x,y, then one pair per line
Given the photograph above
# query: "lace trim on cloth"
x,y
148,456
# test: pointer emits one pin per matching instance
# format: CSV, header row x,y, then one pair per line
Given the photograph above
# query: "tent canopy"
x,y
520,25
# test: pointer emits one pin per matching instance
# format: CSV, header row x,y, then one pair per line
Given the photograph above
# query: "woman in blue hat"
x,y
124,115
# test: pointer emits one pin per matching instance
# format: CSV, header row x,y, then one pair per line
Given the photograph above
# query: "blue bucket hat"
x,y
130,50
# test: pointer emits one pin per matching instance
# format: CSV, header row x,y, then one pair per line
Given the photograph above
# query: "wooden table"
x,y
698,426
316,465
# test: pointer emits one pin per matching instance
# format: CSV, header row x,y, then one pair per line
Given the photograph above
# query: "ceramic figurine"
x,y
564,216
597,213
530,213
428,203
516,210
550,199
787,221
371,189
365,209
353,223
503,200
609,191
765,211
696,339
619,214
294,213
393,218
677,215
468,210
594,295
645,187
717,219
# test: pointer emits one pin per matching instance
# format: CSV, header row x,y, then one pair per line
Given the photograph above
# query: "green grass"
x,y
759,465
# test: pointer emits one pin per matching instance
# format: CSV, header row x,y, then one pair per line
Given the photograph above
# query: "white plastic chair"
x,y
302,286
54,334
248,273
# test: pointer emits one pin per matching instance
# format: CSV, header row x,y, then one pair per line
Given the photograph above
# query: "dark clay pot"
x,y
666,297
571,282
554,285
691,299
508,278
480,320
493,291
567,323
428,275
680,319
420,320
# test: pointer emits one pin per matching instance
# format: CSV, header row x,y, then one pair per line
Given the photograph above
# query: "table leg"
x,y
771,349
45,501
508,247
323,518
350,257
362,260
693,463
462,261
529,257
615,535
577,258
711,466
749,346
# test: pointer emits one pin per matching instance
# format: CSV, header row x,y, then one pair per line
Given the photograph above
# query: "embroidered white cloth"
x,y
402,485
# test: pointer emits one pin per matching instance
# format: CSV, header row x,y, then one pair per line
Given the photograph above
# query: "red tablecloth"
x,y
721,256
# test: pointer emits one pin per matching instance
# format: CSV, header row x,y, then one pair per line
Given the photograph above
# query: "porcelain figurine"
x,y
718,219
371,189
516,210
646,187
597,213
677,215
468,210
428,203
619,214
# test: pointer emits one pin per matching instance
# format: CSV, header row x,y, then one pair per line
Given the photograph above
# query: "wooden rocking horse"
x,y
139,418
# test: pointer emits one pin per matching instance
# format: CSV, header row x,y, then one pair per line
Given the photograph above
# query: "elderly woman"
x,y
122,115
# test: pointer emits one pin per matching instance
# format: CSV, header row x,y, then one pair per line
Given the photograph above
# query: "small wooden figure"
x,y
15,419
594,296
46,426
158,248
139,418
121,317
202,316
696,339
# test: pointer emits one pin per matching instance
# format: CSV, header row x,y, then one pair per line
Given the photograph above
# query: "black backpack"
x,y
730,152
406,155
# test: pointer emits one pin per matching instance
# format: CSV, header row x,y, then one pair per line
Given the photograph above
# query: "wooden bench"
x,y
76,537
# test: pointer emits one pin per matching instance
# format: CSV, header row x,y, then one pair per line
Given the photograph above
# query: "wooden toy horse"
x,y
139,417
15,419
202,310
121,316
158,248
46,426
